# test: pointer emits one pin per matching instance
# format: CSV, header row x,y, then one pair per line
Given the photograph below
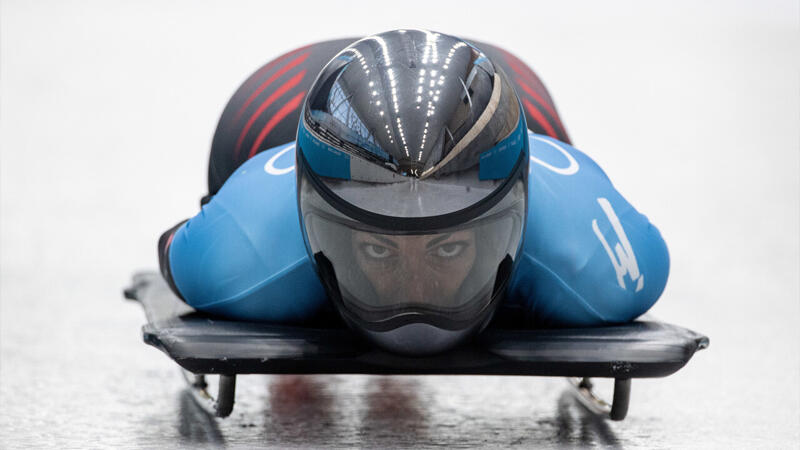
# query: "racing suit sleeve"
x,y
589,257
243,255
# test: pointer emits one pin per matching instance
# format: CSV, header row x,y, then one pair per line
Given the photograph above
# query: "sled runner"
x,y
203,345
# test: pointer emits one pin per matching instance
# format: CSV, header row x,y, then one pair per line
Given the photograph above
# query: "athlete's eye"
x,y
450,250
376,251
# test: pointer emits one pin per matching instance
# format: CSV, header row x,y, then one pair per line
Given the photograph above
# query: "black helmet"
x,y
412,187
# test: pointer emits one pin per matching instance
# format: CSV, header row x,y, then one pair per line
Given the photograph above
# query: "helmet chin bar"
x,y
417,339
413,334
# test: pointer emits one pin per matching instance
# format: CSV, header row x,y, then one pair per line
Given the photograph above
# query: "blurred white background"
x,y
107,110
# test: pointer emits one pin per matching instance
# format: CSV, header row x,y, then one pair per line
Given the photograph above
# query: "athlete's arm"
x,y
590,258
243,255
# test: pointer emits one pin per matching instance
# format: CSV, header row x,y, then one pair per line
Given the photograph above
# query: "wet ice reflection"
x,y
380,411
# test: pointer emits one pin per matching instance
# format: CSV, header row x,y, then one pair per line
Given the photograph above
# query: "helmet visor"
x,y
444,277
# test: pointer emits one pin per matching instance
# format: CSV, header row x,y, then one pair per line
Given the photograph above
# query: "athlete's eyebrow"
x,y
386,241
436,240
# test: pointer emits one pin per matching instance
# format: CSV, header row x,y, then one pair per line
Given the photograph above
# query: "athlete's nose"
x,y
416,282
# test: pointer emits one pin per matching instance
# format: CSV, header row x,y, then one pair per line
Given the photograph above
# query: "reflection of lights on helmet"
x,y
413,214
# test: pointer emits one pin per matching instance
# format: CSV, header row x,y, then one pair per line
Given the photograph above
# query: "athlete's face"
x,y
415,269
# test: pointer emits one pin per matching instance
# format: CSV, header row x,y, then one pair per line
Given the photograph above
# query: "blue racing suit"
x,y
589,258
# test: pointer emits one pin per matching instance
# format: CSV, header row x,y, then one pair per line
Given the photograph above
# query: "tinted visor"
x,y
444,277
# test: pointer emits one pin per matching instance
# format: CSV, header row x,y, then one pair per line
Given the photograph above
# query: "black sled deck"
x,y
203,345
